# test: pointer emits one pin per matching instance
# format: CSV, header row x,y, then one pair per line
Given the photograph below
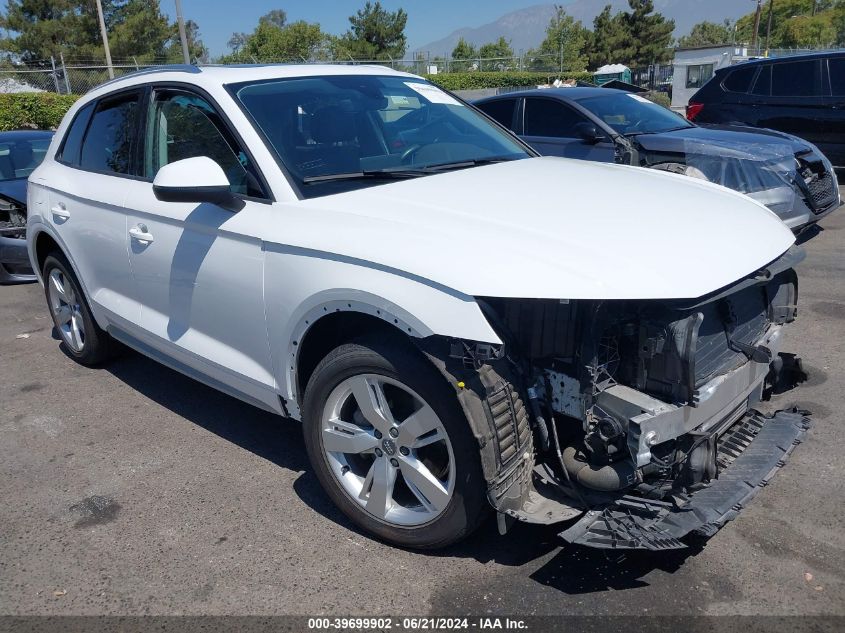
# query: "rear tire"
x,y
81,337
419,485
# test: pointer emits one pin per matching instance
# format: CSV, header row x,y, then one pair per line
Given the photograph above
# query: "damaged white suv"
x,y
458,323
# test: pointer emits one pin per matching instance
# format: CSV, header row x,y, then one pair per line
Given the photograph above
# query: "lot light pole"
x,y
756,23
186,55
105,38
769,26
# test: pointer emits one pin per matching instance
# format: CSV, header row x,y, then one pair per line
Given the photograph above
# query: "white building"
x,y
693,67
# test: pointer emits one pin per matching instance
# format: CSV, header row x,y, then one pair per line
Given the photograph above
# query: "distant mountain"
x,y
526,28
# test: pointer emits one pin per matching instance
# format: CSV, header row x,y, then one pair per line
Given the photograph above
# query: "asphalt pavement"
x,y
131,489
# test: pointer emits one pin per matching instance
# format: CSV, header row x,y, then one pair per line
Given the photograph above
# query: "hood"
x,y
679,141
548,228
14,189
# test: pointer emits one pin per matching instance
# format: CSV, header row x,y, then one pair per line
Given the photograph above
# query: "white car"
x,y
458,323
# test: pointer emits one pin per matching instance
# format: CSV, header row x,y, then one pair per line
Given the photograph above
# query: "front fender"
x,y
300,287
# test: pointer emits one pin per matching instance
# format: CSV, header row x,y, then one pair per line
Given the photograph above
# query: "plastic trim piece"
x,y
637,523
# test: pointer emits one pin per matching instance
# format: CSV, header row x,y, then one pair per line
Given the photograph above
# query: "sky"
x,y
428,20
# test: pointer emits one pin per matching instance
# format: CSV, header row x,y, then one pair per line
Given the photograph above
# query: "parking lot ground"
x,y
131,489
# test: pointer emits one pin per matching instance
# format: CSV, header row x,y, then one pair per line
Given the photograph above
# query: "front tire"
x,y
391,446
81,337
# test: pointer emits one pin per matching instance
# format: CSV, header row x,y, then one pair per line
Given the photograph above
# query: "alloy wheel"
x,y
388,449
65,306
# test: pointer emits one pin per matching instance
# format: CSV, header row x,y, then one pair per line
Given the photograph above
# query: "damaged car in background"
x,y
20,153
353,247
787,174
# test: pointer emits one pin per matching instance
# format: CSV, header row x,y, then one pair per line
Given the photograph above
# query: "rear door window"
x,y
763,85
796,79
110,139
546,117
501,110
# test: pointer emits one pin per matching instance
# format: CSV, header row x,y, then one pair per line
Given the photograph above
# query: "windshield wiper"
x,y
463,164
405,172
386,174
671,129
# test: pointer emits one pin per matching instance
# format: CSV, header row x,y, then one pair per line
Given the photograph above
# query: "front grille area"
x,y
822,192
818,183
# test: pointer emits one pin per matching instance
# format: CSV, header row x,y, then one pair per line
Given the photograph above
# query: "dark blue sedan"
x,y
785,173
21,152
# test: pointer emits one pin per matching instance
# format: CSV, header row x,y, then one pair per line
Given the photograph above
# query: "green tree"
x,y
464,55
197,51
609,36
797,24
39,29
563,47
140,30
276,17
375,33
708,34
499,55
237,41
650,35
292,42
137,29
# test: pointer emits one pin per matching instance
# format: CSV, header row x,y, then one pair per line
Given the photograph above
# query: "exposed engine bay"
x,y
631,410
12,218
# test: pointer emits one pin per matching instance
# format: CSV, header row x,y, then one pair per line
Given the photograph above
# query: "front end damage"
x,y
636,416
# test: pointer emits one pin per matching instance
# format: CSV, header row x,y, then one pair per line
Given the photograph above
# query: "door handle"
x,y
139,232
59,211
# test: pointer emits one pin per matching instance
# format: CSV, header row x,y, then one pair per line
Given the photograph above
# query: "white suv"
x,y
458,323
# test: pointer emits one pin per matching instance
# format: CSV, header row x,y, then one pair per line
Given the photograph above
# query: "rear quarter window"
x,y
501,111
739,80
72,142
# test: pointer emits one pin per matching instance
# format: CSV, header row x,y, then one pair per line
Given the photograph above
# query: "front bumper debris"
x,y
749,454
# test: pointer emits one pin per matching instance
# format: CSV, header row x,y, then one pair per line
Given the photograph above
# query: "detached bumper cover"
x,y
752,451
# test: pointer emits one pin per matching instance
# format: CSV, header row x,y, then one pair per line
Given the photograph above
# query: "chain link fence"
x,y
63,78
77,77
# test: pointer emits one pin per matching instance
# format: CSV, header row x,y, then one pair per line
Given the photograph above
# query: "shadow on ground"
x,y
573,570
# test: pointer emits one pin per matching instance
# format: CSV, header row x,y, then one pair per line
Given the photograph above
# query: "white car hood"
x,y
549,228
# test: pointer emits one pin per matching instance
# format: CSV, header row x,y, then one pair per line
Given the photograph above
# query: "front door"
x,y
549,127
198,267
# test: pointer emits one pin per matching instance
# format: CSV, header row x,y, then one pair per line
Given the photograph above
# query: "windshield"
x,y
335,133
20,156
632,114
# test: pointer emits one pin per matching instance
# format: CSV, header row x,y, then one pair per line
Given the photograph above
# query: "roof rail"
x,y
167,68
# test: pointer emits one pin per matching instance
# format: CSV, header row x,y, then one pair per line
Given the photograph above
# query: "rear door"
x,y
834,122
199,267
86,188
549,127
788,97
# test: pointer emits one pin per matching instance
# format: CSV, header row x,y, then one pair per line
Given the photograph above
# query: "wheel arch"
x,y
329,323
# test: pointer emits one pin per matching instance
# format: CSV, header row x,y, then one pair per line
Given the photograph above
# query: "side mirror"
x,y
197,179
587,132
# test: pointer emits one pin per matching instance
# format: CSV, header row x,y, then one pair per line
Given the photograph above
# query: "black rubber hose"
x,y
607,478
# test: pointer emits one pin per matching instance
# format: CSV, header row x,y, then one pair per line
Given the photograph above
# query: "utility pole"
x,y
105,38
186,54
756,24
769,26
